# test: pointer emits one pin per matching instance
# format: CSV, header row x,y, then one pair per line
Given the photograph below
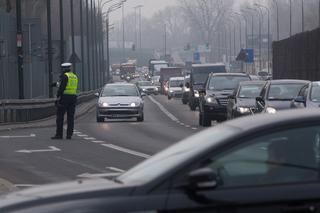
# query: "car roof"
x,y
315,83
262,121
229,74
176,78
252,82
288,81
120,84
208,65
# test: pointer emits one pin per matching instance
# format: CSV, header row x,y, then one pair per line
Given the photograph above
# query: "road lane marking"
x,y
83,135
99,175
25,185
194,128
51,149
128,151
80,164
115,169
188,126
89,138
18,136
163,109
98,141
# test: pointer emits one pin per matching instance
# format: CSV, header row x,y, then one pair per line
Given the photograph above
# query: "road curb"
x,y
6,186
47,122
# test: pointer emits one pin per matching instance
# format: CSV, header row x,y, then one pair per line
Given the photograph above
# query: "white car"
x,y
175,85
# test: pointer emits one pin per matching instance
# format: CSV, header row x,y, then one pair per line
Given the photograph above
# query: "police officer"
x,y
66,100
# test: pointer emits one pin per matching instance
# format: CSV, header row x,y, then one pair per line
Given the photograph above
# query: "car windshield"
x,y
200,74
250,91
145,83
229,82
176,155
120,90
315,93
284,91
175,83
157,67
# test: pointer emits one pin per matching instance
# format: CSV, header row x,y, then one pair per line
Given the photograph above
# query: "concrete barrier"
x,y
17,111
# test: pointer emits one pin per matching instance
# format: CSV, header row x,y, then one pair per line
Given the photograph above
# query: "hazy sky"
x,y
149,7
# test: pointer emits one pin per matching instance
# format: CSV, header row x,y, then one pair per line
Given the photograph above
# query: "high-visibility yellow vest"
x,y
71,88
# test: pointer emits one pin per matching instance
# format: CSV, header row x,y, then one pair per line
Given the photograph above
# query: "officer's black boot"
x,y
56,137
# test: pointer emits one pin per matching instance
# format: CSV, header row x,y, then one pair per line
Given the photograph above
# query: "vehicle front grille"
x,y
120,112
223,101
123,105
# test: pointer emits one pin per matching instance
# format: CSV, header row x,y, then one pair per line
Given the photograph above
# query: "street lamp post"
x,y
88,45
246,27
61,32
72,37
49,47
290,5
240,30
277,8
82,45
268,10
302,16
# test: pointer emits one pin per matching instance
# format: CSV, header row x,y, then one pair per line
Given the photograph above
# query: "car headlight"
x,y
171,91
186,89
103,104
211,100
196,94
271,110
156,89
134,104
243,110
143,89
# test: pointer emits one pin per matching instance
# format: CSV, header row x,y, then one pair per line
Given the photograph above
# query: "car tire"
x,y
184,101
100,119
140,118
169,97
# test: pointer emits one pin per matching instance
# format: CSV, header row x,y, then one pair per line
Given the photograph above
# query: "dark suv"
x,y
214,98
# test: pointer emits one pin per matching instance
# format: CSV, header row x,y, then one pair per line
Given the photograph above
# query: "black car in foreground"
x,y
308,97
263,163
243,101
218,88
277,95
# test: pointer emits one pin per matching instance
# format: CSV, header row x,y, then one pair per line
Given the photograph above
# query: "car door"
x,y
273,172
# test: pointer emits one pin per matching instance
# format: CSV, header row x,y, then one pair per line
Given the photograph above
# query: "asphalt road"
x,y
29,157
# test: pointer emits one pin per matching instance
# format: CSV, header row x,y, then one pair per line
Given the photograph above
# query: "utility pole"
x,y
19,49
302,16
290,4
277,8
88,45
165,40
72,37
92,47
108,54
123,36
61,32
140,29
49,47
82,46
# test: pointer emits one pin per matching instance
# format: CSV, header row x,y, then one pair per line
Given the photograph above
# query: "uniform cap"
x,y
66,65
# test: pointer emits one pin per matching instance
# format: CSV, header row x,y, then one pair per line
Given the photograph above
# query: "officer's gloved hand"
x,y
55,84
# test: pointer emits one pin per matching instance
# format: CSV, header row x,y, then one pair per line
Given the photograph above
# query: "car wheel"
x,y
140,118
100,119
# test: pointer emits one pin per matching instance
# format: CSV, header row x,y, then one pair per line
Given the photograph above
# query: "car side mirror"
x,y
188,85
96,94
202,179
143,94
231,97
299,99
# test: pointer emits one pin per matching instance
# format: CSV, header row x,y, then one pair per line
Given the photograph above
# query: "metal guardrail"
x,y
18,111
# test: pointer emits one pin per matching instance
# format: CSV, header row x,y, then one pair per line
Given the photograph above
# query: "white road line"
x,y
182,124
51,149
128,151
77,133
98,141
194,128
18,136
81,164
89,138
25,185
83,135
163,109
188,126
115,169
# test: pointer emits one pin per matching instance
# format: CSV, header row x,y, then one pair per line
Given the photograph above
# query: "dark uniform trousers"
x,y
67,103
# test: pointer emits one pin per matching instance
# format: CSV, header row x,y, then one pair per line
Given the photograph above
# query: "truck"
x,y
155,66
127,71
166,74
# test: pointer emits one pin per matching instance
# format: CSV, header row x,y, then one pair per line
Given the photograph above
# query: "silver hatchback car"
x,y
120,100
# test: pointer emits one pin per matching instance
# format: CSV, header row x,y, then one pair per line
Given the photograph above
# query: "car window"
x,y
284,157
250,91
302,91
284,91
175,83
119,90
226,82
315,94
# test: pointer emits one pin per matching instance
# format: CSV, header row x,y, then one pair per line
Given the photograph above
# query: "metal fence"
x,y
298,57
